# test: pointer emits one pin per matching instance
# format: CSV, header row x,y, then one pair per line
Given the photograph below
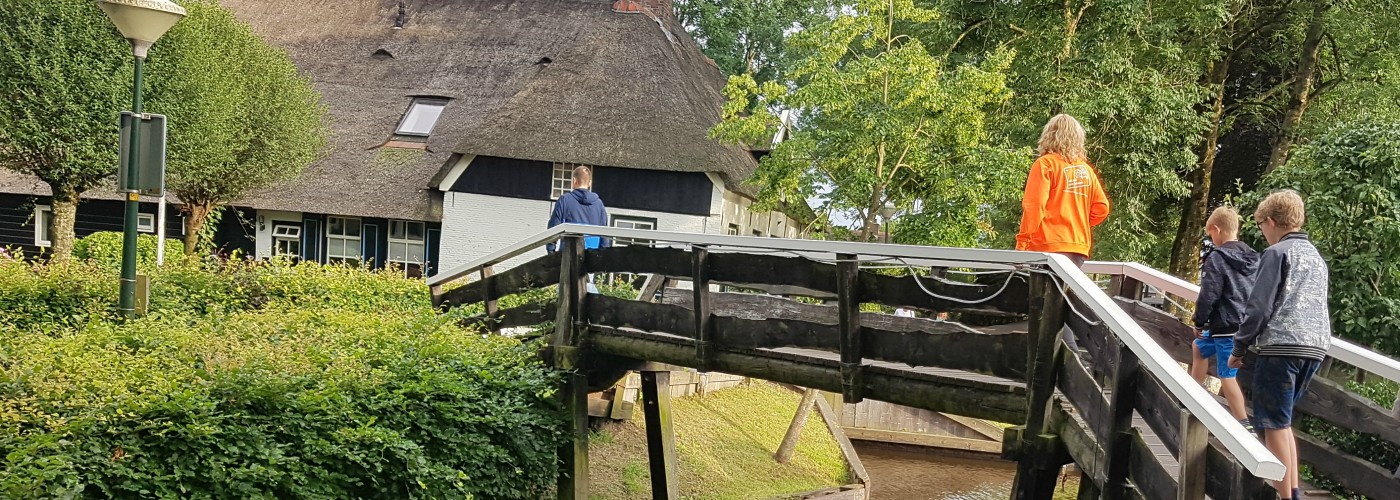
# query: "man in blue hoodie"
x,y
581,206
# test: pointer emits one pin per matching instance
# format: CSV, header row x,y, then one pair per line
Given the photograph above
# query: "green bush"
x,y
262,380
105,249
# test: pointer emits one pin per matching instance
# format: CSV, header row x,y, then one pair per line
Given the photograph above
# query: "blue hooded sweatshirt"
x,y
580,206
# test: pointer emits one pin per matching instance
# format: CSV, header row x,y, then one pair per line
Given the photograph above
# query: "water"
x,y
903,473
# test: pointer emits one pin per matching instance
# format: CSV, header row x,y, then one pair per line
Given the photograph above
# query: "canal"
x,y
909,473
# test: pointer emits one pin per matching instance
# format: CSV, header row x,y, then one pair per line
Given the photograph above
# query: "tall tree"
x,y
65,74
747,36
241,116
883,118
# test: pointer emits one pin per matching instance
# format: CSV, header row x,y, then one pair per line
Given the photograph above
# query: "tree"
x,y
882,119
1350,179
748,36
241,116
65,75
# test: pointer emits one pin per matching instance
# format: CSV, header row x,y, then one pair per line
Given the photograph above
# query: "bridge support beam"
x,y
1038,452
573,454
848,315
661,441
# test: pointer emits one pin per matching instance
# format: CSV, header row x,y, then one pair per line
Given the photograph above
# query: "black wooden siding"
x,y
630,188
17,219
374,240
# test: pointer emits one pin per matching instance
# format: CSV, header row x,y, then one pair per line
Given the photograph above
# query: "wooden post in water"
x,y
573,454
1040,455
804,408
661,441
848,315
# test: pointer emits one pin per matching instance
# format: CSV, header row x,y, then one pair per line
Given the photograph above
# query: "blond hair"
x,y
1225,218
582,176
1063,135
1285,207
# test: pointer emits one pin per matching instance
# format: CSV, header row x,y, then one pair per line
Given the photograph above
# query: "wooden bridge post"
x,y
848,315
704,333
1192,445
1123,286
1123,401
1041,455
573,454
493,310
661,441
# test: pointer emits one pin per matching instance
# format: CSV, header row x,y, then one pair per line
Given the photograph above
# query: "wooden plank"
x,y
1149,476
571,291
518,316
1121,404
661,440
1191,476
1047,313
573,452
996,401
922,439
700,284
1174,336
1331,402
1093,337
1352,472
1082,392
991,431
854,467
918,342
1161,412
848,317
794,431
538,273
1006,294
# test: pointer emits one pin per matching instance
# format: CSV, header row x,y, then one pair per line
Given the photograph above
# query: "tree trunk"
x,y
1186,256
65,211
1300,95
195,215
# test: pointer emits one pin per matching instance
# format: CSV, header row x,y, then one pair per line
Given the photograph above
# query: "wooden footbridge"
x,y
1121,408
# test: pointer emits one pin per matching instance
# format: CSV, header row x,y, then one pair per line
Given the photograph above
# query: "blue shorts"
x,y
1218,348
1279,382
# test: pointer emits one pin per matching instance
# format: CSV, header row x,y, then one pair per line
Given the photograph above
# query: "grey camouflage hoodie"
x,y
1287,311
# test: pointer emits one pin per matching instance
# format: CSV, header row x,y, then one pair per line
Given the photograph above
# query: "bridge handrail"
x,y
1341,350
1249,451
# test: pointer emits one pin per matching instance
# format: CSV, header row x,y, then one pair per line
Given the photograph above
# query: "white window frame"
x,y
421,108
358,240
407,243
632,222
286,232
563,179
146,223
43,233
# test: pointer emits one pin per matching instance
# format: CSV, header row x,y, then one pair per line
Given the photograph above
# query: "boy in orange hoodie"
x,y
1064,198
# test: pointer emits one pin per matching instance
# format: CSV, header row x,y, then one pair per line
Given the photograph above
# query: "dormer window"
x,y
422,115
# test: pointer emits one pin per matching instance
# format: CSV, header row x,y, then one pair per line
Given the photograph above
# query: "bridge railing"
x,y
1046,287
1326,399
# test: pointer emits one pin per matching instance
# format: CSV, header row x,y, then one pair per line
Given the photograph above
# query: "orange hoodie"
x,y
1063,201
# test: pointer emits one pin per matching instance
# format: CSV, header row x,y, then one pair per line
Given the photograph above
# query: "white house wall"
x,y
265,218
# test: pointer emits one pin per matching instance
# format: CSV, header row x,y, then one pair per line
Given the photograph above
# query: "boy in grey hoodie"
x,y
1287,323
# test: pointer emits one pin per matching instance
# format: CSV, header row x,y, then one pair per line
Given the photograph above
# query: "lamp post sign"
x,y
150,167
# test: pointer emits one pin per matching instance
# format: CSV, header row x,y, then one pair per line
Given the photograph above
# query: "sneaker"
x,y
1247,425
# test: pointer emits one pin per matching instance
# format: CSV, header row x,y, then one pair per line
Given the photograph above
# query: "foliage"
x,y
105,249
1350,179
1365,446
64,74
242,117
749,36
883,119
262,380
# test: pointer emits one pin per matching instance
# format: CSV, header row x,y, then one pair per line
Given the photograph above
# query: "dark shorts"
x,y
1279,382
1218,348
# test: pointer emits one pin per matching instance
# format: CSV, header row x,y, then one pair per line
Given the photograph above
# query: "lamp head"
x,y
888,210
142,21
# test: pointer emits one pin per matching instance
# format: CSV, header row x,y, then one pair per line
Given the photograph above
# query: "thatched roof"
x,y
552,80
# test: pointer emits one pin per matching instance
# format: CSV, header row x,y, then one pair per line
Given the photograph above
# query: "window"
x,y
343,240
733,230
422,115
633,223
758,233
286,239
563,180
43,226
146,223
406,241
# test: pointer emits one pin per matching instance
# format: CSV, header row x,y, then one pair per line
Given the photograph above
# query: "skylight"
x,y
422,115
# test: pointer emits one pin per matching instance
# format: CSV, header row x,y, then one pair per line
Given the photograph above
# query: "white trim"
x,y
456,173
142,224
1341,349
39,227
425,103
423,243
359,240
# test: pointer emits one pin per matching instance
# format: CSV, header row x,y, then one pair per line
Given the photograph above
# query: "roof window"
x,y
422,115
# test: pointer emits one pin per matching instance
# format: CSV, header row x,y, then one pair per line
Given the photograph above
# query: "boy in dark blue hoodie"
x,y
1227,276
581,206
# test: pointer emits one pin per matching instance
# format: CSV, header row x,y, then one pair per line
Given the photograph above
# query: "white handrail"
x,y
1341,349
1249,451
1255,458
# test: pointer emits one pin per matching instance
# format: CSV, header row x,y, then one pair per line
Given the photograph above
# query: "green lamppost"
x,y
142,22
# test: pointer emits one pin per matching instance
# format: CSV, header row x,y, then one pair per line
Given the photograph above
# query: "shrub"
x,y
275,404
45,297
105,250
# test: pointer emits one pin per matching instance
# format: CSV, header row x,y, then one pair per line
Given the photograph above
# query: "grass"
x,y
725,442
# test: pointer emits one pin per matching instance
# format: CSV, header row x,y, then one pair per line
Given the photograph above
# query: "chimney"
x,y
656,8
